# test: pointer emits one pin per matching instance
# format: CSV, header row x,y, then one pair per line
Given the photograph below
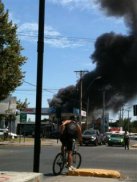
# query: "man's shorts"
x,y
67,142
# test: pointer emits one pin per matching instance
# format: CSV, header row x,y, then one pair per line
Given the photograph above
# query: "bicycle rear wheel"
x,y
76,159
58,164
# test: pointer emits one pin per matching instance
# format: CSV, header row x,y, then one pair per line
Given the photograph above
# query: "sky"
x,y
71,29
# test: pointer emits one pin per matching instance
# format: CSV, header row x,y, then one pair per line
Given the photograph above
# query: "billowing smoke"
x,y
116,62
66,99
122,8
115,76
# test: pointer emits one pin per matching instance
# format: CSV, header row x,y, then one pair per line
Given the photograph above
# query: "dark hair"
x,y
72,117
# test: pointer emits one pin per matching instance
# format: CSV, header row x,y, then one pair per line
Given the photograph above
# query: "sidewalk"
x,y
38,177
63,178
6,176
23,141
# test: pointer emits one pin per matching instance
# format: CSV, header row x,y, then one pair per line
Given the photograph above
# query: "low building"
x,y
8,113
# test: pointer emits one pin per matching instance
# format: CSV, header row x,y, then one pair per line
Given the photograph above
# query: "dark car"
x,y
91,137
116,139
54,134
106,137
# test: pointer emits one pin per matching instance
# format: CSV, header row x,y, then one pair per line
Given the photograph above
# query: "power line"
x,y
29,83
31,90
58,37
35,89
44,89
35,35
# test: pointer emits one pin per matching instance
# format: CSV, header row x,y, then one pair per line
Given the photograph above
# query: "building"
x,y
8,113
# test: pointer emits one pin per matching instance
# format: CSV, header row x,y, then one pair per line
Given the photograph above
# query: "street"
x,y
20,158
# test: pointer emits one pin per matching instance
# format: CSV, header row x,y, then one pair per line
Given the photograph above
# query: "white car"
x,y
10,134
133,136
2,131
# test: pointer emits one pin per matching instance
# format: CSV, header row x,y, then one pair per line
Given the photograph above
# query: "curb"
x,y
95,172
134,146
48,142
26,143
20,177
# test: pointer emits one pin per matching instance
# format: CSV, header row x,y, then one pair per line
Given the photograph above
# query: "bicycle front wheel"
x,y
76,159
58,164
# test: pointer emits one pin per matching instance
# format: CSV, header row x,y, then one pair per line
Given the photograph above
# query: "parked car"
x,y
54,134
133,136
91,137
116,139
5,133
107,136
1,133
12,135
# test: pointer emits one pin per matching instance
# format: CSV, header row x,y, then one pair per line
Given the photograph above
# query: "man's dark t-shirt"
x,y
69,133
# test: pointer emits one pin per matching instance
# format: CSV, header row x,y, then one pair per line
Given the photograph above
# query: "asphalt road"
x,y
20,158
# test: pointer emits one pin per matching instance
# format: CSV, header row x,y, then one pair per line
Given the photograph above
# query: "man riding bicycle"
x,y
69,130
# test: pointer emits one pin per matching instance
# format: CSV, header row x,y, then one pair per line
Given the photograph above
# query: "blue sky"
x,y
71,28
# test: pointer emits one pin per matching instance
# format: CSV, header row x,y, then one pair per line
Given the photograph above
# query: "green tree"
x,y
134,126
11,60
22,105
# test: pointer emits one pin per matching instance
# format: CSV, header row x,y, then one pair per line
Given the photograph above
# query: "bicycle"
x,y
60,161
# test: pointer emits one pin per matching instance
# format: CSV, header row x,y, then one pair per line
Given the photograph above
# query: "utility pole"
x,y
103,119
128,112
128,119
37,144
81,73
88,96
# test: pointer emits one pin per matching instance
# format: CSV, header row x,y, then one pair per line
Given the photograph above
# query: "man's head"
x,y
72,117
68,117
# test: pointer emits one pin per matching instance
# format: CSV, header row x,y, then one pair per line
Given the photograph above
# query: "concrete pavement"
x,y
38,177
64,178
6,176
79,175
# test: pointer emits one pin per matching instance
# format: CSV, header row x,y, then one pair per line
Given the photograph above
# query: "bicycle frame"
x,y
61,160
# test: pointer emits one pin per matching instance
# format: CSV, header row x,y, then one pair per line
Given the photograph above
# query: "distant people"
x,y
6,131
126,140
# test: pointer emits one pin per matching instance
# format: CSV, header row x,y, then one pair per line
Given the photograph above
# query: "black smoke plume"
x,y
121,8
66,99
115,56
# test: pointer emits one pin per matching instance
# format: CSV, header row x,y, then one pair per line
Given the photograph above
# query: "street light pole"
x,y
128,119
81,73
103,124
91,83
80,104
128,111
103,115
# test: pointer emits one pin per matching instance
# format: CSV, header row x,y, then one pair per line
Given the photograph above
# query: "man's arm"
x,y
66,122
79,134
62,126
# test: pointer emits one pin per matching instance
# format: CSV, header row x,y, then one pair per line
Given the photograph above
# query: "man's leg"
x,y
128,144
62,148
69,150
62,139
125,145
69,158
